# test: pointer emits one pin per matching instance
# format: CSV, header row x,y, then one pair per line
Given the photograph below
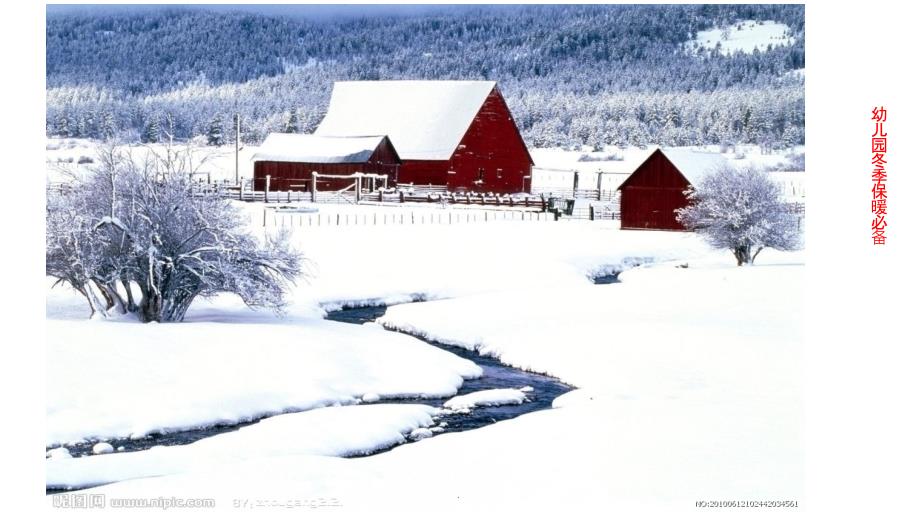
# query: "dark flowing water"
x,y
609,278
495,376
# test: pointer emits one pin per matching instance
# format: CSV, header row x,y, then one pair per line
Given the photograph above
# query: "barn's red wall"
x,y
649,197
492,143
423,172
297,176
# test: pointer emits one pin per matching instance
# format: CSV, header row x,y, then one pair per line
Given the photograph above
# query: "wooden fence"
x,y
448,198
274,218
422,189
579,194
596,213
428,194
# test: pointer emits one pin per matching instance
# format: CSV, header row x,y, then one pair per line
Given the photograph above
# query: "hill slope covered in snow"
x,y
571,74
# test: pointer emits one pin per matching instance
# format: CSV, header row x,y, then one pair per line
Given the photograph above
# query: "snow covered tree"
x,y
108,127
216,131
742,210
151,133
135,238
290,121
170,130
62,126
792,136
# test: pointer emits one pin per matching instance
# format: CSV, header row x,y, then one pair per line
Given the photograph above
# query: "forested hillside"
x,y
571,74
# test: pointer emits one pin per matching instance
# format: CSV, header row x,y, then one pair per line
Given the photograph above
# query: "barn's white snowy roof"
x,y
425,120
694,165
296,147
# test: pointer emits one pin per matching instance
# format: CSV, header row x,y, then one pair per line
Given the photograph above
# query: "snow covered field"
x,y
688,376
267,365
66,154
136,379
744,36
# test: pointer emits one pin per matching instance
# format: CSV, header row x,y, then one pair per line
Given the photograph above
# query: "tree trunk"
x,y
95,305
112,297
126,283
743,255
169,308
109,302
150,308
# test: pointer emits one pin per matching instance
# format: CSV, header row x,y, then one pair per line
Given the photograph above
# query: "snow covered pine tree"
x,y
135,238
742,210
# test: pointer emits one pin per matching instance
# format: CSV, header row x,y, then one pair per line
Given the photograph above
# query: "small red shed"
x,y
291,158
650,196
459,134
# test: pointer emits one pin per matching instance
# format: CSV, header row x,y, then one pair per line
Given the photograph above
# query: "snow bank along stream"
x,y
501,393
540,389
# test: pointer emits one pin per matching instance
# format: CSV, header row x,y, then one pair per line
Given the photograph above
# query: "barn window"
x,y
482,174
498,173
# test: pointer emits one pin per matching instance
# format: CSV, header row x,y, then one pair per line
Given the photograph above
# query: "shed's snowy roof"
x,y
694,165
296,147
425,120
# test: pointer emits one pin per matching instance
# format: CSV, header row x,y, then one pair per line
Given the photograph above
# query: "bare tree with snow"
x,y
135,237
741,210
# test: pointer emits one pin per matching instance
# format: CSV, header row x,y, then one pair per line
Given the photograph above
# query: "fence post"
x,y
358,181
591,212
402,196
313,186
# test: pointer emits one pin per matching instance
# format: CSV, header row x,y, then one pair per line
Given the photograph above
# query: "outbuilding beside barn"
x,y
288,160
650,196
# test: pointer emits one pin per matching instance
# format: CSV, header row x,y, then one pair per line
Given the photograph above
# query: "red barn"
x,y
651,194
291,158
454,133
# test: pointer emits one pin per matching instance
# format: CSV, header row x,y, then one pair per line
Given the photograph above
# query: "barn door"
x,y
651,208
